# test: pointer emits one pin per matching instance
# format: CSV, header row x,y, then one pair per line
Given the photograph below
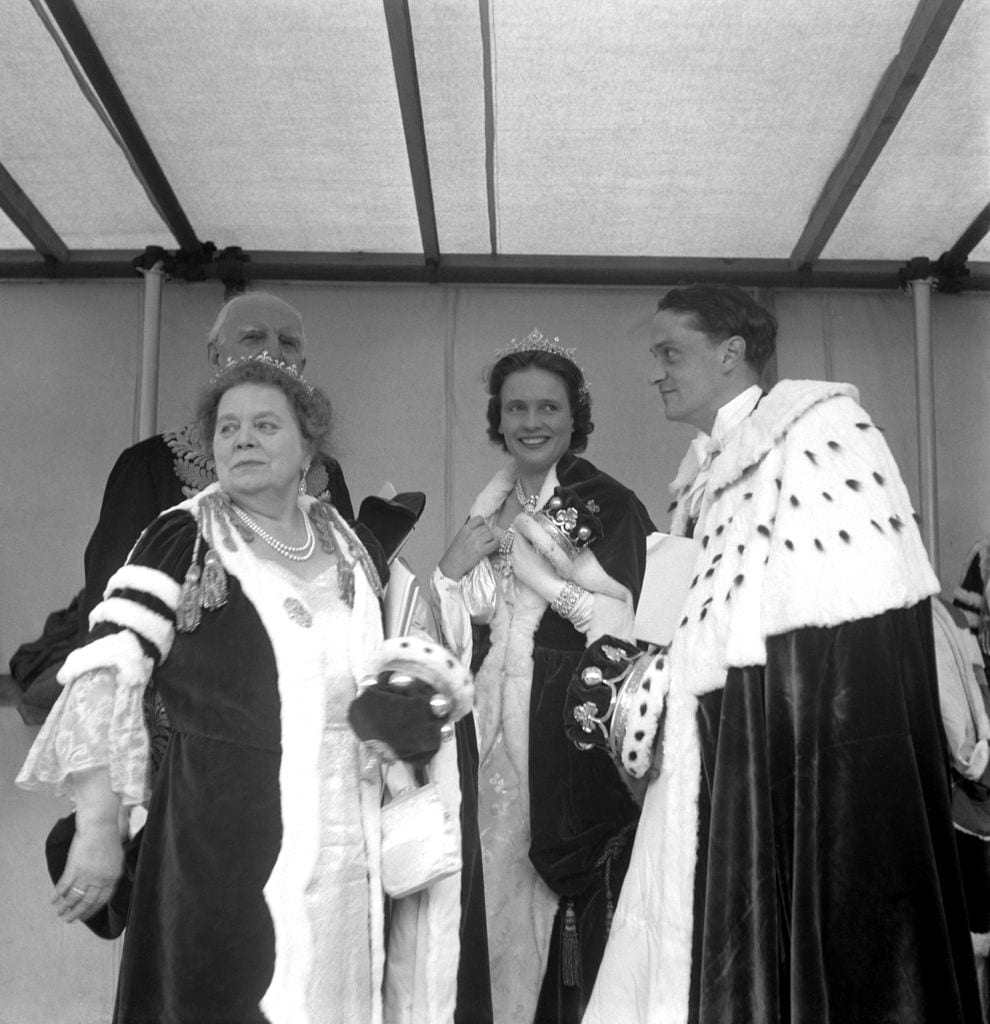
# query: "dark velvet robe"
x,y
827,887
795,858
199,944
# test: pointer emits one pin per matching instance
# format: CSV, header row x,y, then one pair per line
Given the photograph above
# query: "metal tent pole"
x,y
146,390
924,369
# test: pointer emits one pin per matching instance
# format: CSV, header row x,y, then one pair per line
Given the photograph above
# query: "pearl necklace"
x,y
295,554
528,503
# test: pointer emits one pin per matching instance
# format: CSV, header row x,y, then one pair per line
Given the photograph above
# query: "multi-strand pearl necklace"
x,y
295,554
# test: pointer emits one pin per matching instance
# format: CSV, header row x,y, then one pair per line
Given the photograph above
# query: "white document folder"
x,y
670,565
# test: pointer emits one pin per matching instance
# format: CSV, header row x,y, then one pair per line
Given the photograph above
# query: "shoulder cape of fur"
x,y
805,522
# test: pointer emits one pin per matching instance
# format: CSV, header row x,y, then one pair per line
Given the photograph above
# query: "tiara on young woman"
x,y
536,341
262,357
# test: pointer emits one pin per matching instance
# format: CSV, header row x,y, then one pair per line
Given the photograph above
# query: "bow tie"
x,y
705,449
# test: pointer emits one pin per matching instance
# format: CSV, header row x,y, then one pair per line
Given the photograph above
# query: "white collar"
x,y
732,414
696,467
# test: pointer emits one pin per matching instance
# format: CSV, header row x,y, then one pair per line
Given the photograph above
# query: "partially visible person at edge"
x,y
257,893
520,600
795,857
971,599
971,595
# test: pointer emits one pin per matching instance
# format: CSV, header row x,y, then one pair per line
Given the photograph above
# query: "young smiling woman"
x,y
555,822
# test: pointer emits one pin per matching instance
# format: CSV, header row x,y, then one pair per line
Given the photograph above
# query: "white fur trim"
x,y
151,581
544,539
301,689
430,662
120,651
148,624
817,531
519,904
492,497
967,599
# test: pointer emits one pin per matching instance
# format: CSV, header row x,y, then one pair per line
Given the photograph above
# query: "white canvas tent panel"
x,y
582,130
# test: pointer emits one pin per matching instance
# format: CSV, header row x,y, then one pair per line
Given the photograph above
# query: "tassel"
x,y
187,613
570,950
322,526
345,583
214,582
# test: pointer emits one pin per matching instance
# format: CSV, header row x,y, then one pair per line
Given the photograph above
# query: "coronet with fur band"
x,y
432,664
601,696
562,529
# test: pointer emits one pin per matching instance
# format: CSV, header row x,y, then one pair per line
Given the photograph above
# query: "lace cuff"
x,y
94,723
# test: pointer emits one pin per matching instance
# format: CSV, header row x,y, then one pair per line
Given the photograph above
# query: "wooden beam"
x,y
483,269
407,84
28,219
921,41
128,132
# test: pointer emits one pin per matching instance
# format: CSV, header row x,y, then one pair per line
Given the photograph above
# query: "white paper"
x,y
670,565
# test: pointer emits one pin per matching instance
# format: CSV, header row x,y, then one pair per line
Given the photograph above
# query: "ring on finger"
x,y
77,890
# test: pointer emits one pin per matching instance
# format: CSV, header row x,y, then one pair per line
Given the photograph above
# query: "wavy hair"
x,y
309,405
722,310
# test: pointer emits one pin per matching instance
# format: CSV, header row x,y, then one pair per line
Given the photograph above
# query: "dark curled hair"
x,y
309,404
722,310
560,366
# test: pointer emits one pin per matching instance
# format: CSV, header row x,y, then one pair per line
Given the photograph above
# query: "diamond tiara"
x,y
536,341
267,359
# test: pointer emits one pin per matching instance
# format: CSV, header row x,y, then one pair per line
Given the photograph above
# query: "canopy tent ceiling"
x,y
778,142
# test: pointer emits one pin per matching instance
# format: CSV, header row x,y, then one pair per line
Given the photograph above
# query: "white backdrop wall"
x,y
403,365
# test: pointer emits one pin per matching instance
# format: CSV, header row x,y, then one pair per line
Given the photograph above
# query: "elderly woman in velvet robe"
x,y
255,612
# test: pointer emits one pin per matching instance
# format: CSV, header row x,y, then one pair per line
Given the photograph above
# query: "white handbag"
x,y
420,844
